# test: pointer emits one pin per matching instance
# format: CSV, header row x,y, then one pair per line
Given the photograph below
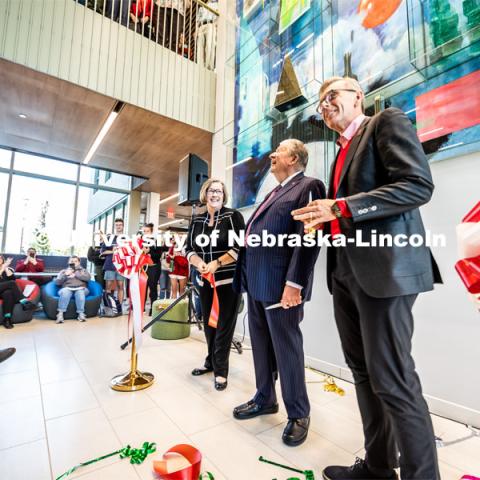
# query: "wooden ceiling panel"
x,y
63,119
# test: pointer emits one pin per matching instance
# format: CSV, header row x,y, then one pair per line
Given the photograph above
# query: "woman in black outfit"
x,y
219,260
10,293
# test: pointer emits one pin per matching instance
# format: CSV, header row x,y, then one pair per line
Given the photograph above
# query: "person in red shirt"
x,y
179,271
32,264
140,16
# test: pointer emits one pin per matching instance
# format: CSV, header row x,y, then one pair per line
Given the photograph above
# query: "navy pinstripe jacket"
x,y
263,271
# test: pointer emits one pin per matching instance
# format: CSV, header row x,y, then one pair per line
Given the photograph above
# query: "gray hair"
x,y
298,149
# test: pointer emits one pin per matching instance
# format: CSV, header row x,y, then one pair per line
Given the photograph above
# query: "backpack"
x,y
110,306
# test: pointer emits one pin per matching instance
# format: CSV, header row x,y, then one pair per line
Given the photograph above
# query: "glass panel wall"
x,y
57,216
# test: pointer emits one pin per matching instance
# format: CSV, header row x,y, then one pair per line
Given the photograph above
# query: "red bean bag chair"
x,y
20,315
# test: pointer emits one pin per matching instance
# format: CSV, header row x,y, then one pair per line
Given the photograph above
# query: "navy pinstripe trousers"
x,y
277,345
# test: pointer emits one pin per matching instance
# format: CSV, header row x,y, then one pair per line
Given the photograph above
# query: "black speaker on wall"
x,y
192,173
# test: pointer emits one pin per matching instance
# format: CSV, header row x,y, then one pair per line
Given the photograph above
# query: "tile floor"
x,y
57,410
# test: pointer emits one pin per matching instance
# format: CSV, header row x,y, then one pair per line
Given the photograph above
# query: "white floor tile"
x,y
235,452
67,397
119,404
29,461
189,410
15,386
122,470
74,439
21,422
56,370
21,361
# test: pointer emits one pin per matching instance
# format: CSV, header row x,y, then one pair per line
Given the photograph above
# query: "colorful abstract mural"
x,y
393,47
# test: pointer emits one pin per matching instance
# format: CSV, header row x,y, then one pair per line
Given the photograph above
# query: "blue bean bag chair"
x,y
92,301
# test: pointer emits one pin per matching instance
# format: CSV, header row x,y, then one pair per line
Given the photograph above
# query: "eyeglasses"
x,y
332,95
214,192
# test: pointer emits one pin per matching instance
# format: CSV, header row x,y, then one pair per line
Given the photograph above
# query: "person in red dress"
x,y
179,271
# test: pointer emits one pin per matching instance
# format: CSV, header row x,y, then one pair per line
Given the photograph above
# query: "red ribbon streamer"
x,y
469,271
469,268
215,310
473,215
191,472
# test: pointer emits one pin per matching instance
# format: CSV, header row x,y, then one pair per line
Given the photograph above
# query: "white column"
x,y
153,209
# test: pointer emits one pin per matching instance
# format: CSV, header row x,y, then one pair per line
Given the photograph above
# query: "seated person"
x,y
140,15
32,264
73,281
10,293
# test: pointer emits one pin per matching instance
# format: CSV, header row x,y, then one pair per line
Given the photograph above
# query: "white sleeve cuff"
x,y
233,254
293,284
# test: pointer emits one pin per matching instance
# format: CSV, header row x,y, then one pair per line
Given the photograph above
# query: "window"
x,y
99,177
83,233
3,201
109,227
40,215
5,156
45,166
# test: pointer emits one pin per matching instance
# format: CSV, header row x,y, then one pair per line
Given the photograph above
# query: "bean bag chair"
x,y
170,331
50,301
19,315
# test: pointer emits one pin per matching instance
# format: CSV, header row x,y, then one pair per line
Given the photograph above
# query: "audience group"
x,y
183,26
167,276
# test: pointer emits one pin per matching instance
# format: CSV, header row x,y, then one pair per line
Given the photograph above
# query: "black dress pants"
x,y
376,337
167,25
153,274
10,294
219,339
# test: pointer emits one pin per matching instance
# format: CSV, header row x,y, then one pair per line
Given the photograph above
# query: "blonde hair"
x,y
206,186
352,83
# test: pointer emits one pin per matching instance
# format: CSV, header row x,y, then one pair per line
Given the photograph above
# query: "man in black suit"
x,y
279,274
379,180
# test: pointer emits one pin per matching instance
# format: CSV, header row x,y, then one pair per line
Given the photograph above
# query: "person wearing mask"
x,y
32,264
73,281
10,294
113,280
219,260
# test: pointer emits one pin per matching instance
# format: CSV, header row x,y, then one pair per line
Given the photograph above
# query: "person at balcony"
x,y
168,22
220,260
118,10
32,264
10,293
178,271
113,280
207,35
73,281
140,16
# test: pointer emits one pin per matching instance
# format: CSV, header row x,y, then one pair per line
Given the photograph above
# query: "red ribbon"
x,y
215,310
191,454
469,268
469,477
469,271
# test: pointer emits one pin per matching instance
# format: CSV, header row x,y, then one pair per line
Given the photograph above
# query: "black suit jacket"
x,y
385,179
263,271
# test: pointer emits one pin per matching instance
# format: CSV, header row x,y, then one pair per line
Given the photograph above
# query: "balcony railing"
x,y
156,54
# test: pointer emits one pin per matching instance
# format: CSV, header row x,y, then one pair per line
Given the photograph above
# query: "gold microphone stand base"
x,y
133,380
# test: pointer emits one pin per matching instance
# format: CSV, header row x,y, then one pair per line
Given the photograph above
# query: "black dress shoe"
x,y
296,431
252,409
221,385
201,371
358,471
6,353
7,323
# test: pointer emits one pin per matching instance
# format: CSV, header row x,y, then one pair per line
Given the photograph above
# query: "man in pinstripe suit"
x,y
279,274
